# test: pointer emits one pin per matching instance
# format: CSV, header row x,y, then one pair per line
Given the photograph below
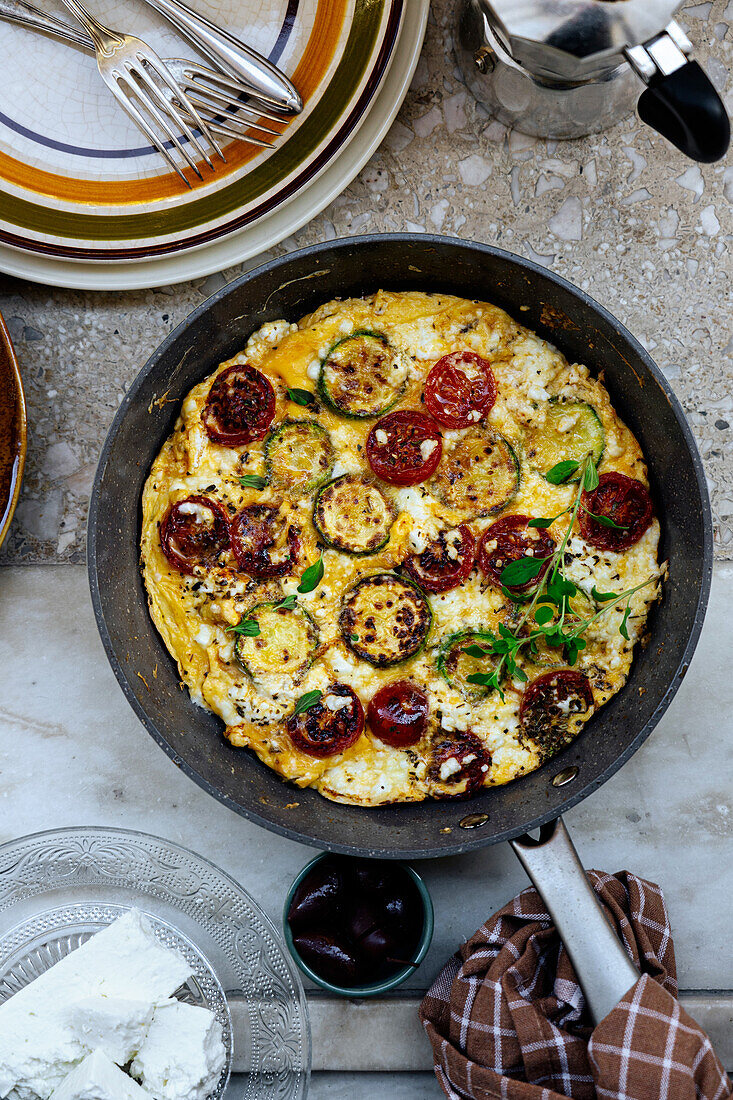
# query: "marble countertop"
x,y
621,214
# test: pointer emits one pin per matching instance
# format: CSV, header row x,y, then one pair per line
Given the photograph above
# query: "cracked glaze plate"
x,y
58,888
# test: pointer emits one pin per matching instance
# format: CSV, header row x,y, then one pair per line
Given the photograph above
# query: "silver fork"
x,y
127,62
217,97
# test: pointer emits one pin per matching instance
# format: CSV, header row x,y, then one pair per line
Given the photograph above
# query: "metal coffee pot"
x,y
565,68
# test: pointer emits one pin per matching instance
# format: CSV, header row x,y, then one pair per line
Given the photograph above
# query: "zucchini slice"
x,y
362,375
284,646
572,429
299,455
351,514
479,476
385,619
455,666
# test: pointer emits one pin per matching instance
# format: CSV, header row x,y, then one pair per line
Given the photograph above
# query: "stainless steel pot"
x,y
565,68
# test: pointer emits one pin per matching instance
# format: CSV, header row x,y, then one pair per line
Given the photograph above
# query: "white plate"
x,y
269,231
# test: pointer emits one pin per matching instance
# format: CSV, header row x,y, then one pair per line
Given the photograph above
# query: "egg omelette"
x,y
402,548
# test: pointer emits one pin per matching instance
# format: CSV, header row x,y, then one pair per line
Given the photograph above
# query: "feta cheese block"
x,y
124,962
183,1054
115,1026
97,1078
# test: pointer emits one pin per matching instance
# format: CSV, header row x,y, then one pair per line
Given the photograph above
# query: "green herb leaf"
x,y
312,577
602,596
355,637
306,702
560,587
543,615
519,673
250,628
590,480
477,651
606,521
301,397
623,628
288,603
522,570
253,481
542,521
562,471
572,648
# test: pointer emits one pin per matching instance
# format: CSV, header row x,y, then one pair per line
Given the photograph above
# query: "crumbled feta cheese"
x,y
448,768
183,1053
314,369
427,447
336,702
97,1078
381,436
205,635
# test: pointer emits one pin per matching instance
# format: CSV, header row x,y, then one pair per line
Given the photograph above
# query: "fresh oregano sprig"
x,y
552,593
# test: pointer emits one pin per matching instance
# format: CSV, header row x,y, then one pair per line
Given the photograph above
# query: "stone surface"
x,y
73,753
622,214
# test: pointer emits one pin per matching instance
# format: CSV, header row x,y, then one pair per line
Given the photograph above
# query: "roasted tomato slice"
x,y
508,540
445,562
404,447
240,406
551,703
398,714
460,389
193,531
264,544
459,766
332,725
624,501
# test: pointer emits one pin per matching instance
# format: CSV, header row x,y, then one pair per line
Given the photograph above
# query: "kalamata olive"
x,y
330,957
318,898
403,910
363,915
379,946
376,880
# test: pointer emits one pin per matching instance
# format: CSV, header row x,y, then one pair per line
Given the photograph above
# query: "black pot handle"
x,y
685,108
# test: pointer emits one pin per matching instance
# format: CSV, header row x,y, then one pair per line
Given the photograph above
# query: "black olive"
x,y
331,958
318,898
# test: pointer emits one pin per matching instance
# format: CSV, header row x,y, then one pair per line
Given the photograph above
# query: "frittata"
x,y
402,547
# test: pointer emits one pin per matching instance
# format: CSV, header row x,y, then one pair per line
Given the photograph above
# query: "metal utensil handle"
x,y
233,56
15,11
604,970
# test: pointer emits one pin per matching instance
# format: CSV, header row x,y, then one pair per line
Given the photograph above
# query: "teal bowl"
x,y
376,988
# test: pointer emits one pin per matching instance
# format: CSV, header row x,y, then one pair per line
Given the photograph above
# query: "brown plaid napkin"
x,y
506,1016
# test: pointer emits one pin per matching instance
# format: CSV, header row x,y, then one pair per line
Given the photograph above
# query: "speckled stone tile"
x,y
621,214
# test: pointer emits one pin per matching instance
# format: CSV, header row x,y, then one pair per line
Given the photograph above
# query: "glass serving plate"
x,y
59,888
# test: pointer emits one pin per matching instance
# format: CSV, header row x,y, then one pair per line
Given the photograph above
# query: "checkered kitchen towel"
x,y
506,1017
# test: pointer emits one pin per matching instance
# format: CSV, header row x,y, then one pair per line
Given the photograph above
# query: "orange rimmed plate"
x,y
76,183
13,430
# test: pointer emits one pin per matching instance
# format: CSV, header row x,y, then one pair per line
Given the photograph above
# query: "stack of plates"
x,y
84,204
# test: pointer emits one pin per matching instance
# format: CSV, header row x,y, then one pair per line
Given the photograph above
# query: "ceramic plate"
x,y
77,182
267,232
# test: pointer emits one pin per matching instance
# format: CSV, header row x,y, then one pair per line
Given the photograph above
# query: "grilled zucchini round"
x,y
299,455
285,645
385,619
455,665
362,375
572,429
479,476
351,514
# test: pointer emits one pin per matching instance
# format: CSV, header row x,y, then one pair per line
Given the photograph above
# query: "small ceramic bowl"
x,y
376,988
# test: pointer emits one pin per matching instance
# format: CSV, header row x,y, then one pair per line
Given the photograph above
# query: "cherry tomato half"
x,y
398,714
622,499
445,562
460,389
550,702
328,727
508,540
193,531
264,543
240,406
404,447
459,766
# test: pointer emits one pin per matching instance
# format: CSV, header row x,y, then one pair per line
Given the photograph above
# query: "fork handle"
x,y
106,41
231,55
25,15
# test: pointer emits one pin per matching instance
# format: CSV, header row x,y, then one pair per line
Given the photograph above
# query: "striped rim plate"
x,y
77,183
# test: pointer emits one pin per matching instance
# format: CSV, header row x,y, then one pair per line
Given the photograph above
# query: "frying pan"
x,y
291,287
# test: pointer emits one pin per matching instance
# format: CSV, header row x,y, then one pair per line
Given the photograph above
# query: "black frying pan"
x,y
291,287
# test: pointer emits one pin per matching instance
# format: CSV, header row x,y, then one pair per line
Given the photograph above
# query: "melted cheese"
x,y
192,612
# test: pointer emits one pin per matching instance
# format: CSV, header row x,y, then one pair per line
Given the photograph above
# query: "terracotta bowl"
x,y
13,430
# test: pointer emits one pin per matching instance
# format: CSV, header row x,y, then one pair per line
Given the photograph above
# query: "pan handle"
x,y
604,970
